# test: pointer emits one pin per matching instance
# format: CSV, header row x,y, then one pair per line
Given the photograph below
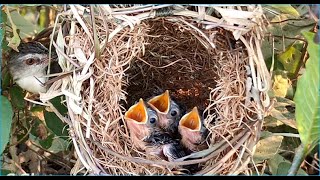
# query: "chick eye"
x,y
30,61
173,113
153,120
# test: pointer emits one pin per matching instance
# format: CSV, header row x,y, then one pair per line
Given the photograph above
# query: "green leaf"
x,y
288,9
17,97
6,120
274,162
265,134
59,145
290,59
27,29
5,79
55,124
307,97
4,172
47,143
267,148
57,103
14,41
284,167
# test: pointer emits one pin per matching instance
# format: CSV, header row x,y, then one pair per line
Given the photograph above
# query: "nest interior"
x,y
142,60
176,60
175,57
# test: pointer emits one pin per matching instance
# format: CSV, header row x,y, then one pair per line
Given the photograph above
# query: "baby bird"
x,y
192,131
163,145
168,111
141,122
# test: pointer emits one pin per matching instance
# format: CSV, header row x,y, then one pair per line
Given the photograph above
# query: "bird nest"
x,y
206,56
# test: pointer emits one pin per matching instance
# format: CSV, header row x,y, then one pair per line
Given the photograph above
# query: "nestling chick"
x,y
168,111
163,145
141,122
192,131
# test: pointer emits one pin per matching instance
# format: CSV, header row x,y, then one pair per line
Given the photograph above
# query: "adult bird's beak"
x,y
140,121
168,111
190,128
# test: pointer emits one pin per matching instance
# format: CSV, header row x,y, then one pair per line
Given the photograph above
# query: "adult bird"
x,y
28,66
168,111
192,131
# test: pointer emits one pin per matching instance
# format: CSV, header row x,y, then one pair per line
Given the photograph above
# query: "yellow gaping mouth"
x,y
191,120
161,102
137,112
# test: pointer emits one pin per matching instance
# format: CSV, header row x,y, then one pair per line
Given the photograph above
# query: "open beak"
x,y
136,118
161,103
137,113
191,120
189,129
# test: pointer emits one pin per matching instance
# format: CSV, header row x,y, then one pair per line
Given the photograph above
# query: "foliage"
x,y
6,118
296,121
23,122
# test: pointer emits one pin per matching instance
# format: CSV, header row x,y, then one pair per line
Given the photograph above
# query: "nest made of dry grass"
x,y
124,52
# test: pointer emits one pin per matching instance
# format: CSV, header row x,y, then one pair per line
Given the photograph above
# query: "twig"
x,y
298,159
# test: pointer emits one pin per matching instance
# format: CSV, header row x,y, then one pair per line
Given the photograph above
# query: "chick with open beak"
x,y
168,111
141,122
192,131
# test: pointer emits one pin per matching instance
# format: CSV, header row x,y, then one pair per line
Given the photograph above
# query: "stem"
x,y
14,27
301,153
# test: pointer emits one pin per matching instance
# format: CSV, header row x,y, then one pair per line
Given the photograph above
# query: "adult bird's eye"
x,y
30,61
153,120
173,113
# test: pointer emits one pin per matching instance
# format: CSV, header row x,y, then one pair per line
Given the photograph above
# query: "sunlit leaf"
x,y
307,97
37,111
270,121
288,29
14,41
280,86
280,17
27,29
285,8
6,120
267,148
290,59
281,117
